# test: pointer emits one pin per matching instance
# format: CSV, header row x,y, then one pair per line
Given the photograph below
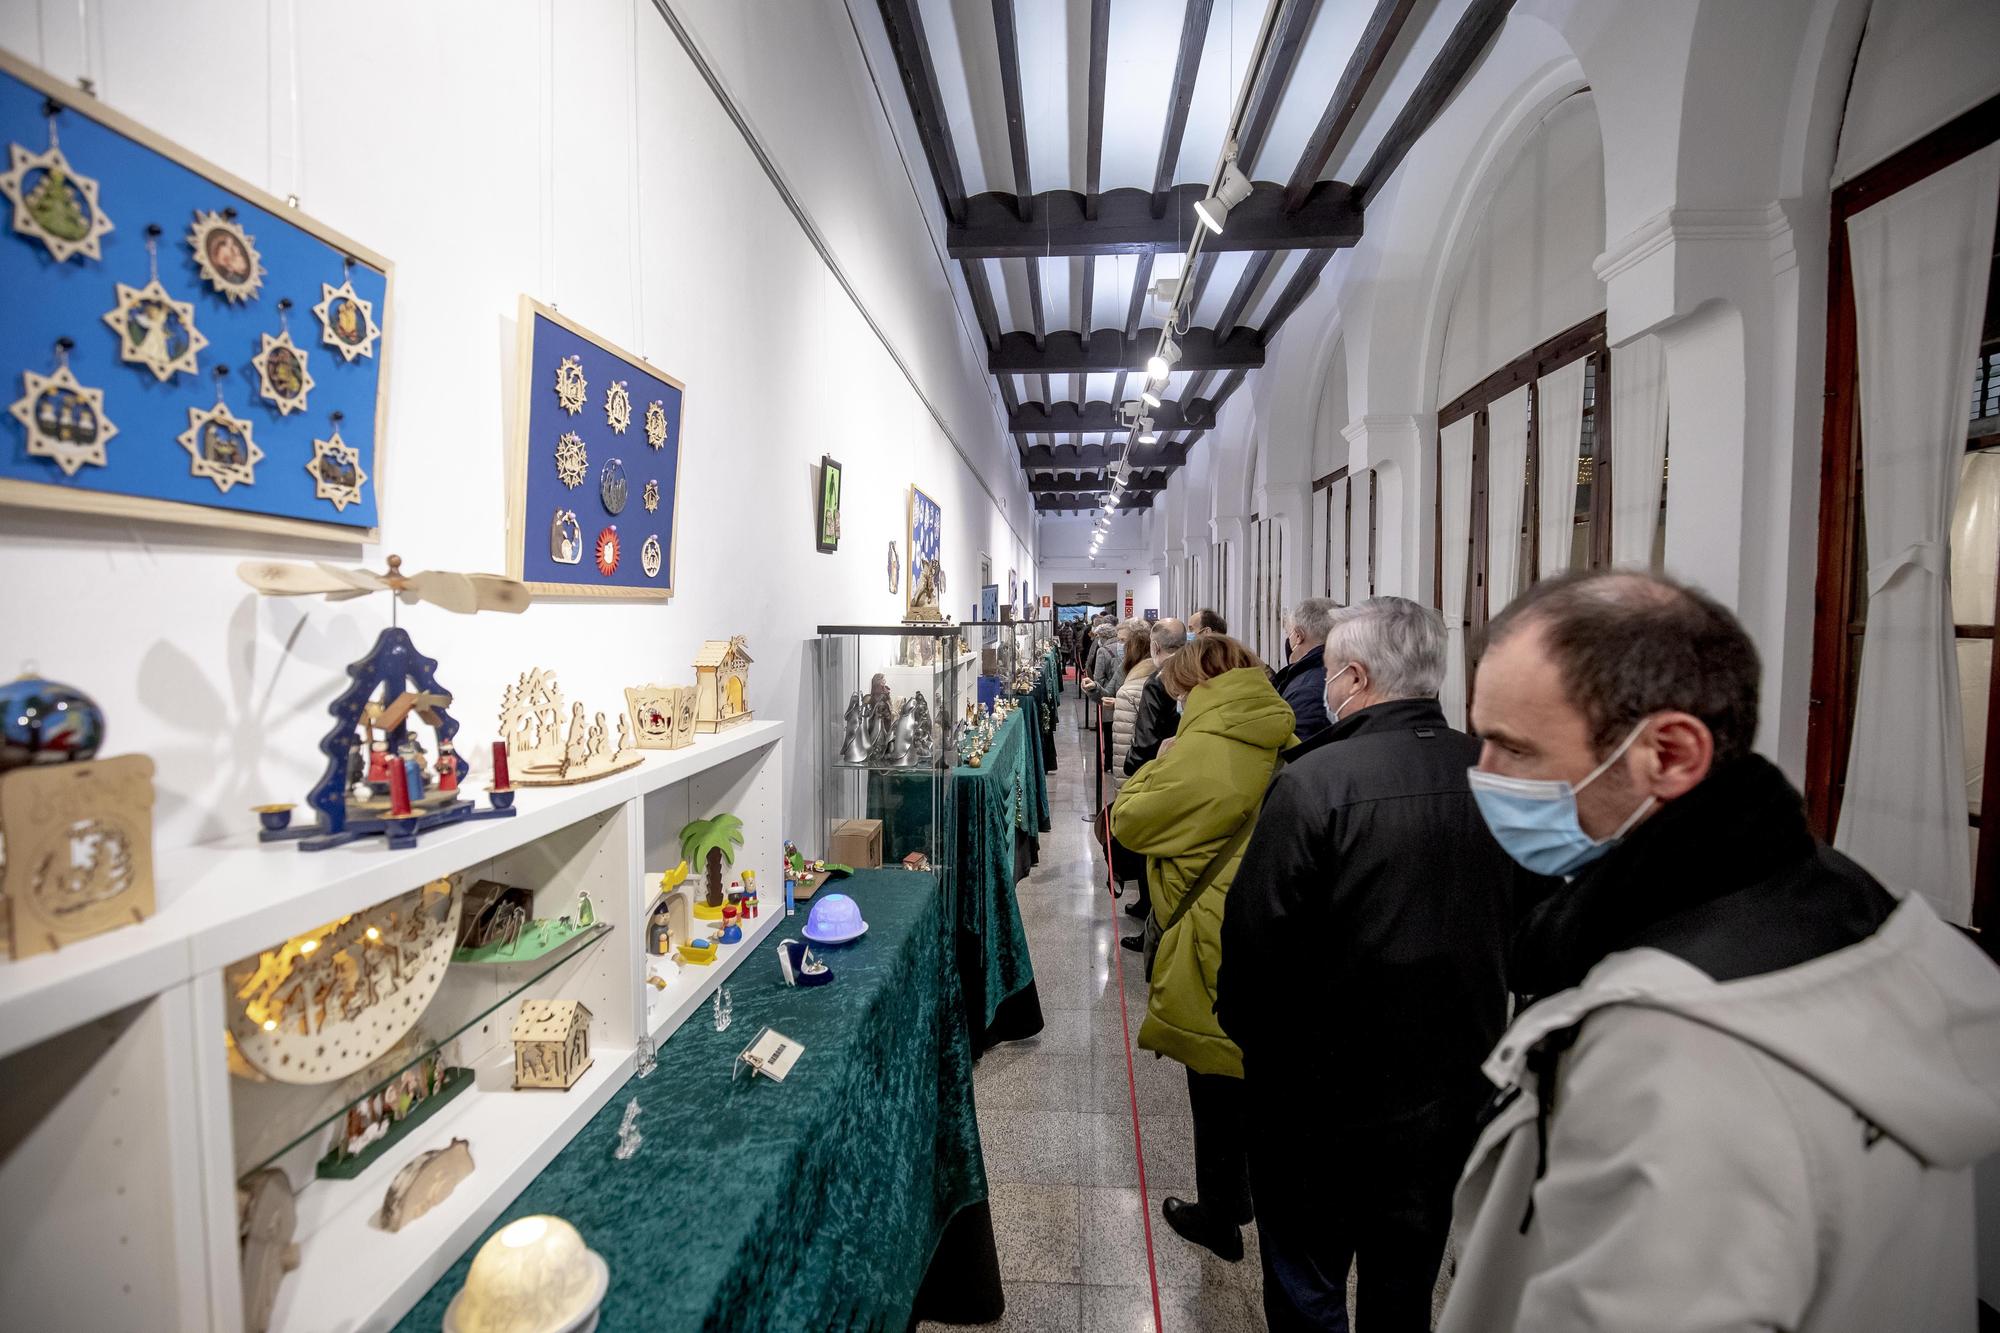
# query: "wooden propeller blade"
x,y
453,592
276,579
500,594
360,580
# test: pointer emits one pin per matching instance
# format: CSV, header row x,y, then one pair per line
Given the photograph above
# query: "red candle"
x,y
501,782
399,791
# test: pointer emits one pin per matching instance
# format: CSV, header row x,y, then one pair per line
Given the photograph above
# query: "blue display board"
x,y
596,466
926,543
142,182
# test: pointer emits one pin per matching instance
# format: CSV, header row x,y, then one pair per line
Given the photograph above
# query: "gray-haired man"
x,y
1363,949
1303,681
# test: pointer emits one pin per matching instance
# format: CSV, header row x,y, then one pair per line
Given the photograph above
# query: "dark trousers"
x,y
1377,1198
1221,1147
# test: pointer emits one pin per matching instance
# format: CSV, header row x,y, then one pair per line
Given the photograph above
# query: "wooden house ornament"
x,y
722,684
551,1043
662,715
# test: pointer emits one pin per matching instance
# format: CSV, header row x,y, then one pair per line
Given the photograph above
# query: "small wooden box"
x,y
78,851
857,843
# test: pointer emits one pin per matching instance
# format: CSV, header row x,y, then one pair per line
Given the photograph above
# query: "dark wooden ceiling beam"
x,y
1122,221
1304,278
1010,93
1385,25
1100,58
1454,60
1246,289
1098,480
1109,350
1180,95
1047,501
1100,416
1272,76
1098,457
920,86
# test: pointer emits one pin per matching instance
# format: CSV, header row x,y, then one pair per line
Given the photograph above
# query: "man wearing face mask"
x,y
1363,977
1303,681
1754,1088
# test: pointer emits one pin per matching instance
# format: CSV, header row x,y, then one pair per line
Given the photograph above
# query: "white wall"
x,y
574,153
1922,62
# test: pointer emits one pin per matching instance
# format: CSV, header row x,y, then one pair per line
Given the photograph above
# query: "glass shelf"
x,y
469,995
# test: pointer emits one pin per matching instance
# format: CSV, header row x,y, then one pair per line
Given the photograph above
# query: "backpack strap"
x,y
1237,839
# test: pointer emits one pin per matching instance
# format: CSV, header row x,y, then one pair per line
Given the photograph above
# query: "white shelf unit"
x,y
122,1132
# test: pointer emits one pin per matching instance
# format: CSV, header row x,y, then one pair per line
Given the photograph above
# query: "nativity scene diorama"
x,y
380,778
546,753
722,683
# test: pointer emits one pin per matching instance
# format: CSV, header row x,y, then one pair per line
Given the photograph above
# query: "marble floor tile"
x,y
1026,1146
1109,1159
1008,1078
1032,1307
1038,1232
1129,1309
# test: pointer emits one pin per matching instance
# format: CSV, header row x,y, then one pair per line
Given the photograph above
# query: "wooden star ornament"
x,y
156,331
220,447
226,255
64,420
54,203
336,471
347,323
282,377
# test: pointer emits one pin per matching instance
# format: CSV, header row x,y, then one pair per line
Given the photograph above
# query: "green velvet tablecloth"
x,y
994,813
814,1203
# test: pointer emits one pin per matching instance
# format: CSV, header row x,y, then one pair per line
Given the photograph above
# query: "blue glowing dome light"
x,y
43,722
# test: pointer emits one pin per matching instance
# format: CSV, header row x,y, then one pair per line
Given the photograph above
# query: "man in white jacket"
x,y
1754,1083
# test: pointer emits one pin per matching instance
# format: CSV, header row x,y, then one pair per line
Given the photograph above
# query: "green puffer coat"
x,y
1179,811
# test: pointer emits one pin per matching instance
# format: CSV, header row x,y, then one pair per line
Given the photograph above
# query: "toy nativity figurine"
x,y
542,753
721,682
854,744
380,1120
711,844
380,779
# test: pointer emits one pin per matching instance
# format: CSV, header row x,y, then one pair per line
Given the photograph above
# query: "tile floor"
x,y
1055,1117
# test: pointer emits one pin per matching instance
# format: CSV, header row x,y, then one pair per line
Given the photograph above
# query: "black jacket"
x,y
1364,939
1303,684
1157,720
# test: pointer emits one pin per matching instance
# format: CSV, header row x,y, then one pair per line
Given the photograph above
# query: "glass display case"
x,y
891,702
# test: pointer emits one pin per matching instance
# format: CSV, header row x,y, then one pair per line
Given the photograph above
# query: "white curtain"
x,y
1361,536
1638,449
1920,262
1559,396
1336,542
1455,497
1506,488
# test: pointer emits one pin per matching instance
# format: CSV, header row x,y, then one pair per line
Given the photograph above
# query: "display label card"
x,y
772,1054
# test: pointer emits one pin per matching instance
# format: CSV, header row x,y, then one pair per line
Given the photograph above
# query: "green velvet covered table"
x,y
815,1203
1048,689
994,814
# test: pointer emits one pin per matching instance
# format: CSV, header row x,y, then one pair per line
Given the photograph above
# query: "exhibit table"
x,y
816,1202
1048,689
996,813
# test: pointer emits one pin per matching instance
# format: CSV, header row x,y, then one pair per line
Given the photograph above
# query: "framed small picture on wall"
x,y
828,527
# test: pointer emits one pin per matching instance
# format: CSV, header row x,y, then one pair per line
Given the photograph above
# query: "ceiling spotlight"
x,y
1234,189
1150,398
1147,435
1161,363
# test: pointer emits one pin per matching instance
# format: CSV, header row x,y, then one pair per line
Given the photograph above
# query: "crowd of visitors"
x,y
1580,990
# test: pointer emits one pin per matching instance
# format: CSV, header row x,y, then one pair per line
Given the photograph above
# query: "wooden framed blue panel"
x,y
576,477
145,180
925,543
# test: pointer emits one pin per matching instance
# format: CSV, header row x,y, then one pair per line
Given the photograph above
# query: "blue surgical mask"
x,y
1535,820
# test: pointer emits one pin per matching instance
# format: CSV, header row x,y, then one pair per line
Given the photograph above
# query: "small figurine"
x,y
722,1007
629,1136
854,745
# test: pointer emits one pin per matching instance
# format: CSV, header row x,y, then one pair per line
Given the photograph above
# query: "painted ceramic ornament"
x,y
53,203
649,556
282,378
571,389
611,486
347,323
64,420
650,497
226,255
565,538
155,331
656,424
618,406
220,447
335,468
45,722
572,459
609,548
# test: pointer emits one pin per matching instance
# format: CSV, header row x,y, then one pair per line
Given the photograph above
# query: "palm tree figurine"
x,y
711,844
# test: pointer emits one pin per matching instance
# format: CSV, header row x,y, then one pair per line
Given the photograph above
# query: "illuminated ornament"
x,y
565,538
650,497
336,471
571,389
656,424
220,447
155,331
282,377
608,550
649,556
572,459
53,203
226,255
346,322
64,420
618,406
